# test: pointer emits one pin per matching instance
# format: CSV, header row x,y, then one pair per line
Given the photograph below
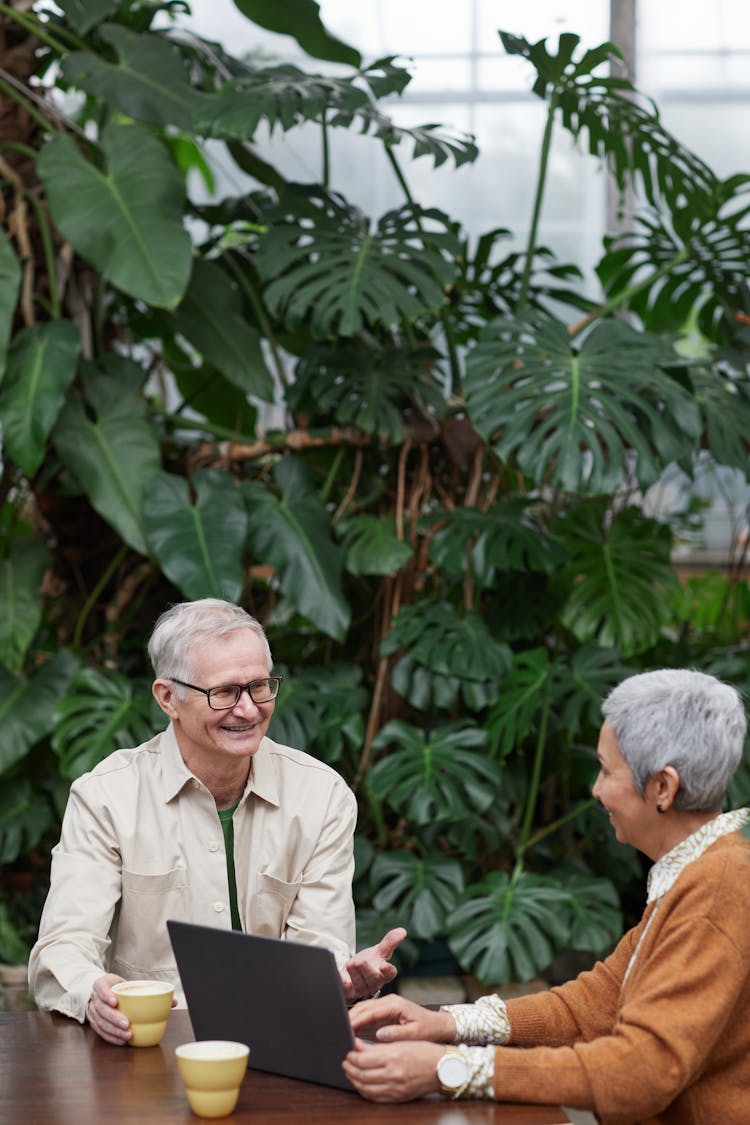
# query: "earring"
x,y
659,808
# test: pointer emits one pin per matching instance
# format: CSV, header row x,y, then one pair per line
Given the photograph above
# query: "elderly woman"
x,y
659,1031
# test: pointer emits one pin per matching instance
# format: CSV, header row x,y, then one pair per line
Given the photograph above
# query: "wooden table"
x,y
53,1070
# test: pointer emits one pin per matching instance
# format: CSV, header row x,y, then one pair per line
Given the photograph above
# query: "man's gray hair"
x,y
681,718
188,623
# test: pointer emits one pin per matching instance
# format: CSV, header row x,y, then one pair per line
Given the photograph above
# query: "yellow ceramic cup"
x,y
212,1070
147,1004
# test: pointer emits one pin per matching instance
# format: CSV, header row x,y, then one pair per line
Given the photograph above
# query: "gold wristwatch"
x,y
453,1072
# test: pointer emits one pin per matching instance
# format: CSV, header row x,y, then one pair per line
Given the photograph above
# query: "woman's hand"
x,y
394,1018
393,1072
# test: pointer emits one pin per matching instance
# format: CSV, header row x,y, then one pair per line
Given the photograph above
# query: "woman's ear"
x,y
666,787
164,693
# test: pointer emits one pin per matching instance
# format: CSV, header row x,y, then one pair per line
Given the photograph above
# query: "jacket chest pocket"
x,y
270,904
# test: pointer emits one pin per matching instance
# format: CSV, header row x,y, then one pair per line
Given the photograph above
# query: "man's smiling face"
x,y
206,736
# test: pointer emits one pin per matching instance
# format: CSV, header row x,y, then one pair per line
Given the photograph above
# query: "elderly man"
x,y
209,822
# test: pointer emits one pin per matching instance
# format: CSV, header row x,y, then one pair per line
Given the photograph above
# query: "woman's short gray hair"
x,y
187,623
681,718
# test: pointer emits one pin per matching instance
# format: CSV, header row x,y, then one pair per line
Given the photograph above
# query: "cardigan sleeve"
x,y
684,994
583,1008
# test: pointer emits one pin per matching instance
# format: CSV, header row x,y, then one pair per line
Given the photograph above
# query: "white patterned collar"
x,y
666,871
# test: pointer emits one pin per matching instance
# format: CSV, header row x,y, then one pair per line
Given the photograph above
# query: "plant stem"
x,y
49,254
541,182
92,598
33,24
630,291
550,828
218,431
399,174
536,774
326,151
25,104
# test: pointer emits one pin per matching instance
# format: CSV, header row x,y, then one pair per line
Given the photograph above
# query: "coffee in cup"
x,y
147,1004
212,1070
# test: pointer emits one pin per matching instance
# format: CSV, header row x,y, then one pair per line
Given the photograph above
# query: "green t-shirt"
x,y
227,827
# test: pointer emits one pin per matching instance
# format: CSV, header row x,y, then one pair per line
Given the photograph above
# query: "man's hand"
x,y
393,1073
103,1014
367,971
395,1018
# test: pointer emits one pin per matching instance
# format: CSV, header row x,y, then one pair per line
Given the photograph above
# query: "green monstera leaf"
x,y
27,706
373,546
572,418
507,537
509,928
292,533
620,578
368,384
126,218
324,263
419,890
198,543
320,710
436,775
99,714
447,654
41,366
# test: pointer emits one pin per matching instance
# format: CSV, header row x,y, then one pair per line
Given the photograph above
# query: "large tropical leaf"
x,y
198,543
573,417
324,263
366,383
509,928
149,81
373,546
21,573
595,918
99,714
723,399
434,775
27,704
320,710
419,890
25,816
85,14
490,283
300,19
10,280
41,366
110,447
517,711
620,578
125,218
284,96
579,683
623,127
507,537
292,534
447,654
210,316
696,260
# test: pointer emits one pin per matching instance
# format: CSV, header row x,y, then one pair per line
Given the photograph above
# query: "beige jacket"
x,y
141,842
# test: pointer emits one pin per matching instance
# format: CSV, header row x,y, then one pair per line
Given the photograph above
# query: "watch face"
x,y
452,1072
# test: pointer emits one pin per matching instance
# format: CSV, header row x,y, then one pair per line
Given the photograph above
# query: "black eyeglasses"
x,y
228,695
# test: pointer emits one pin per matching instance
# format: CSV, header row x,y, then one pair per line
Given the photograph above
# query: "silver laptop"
x,y
282,998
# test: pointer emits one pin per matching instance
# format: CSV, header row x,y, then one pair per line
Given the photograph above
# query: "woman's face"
x,y
630,814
